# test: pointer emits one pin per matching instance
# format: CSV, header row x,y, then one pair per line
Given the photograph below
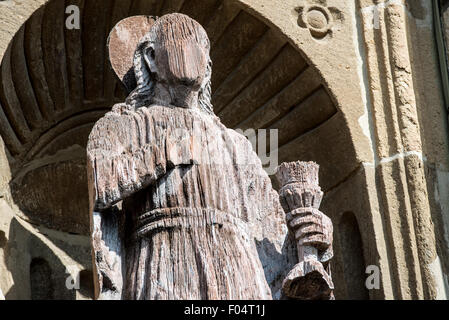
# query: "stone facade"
x,y
352,85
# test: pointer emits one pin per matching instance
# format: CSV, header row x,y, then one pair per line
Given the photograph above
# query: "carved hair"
x,y
205,93
143,94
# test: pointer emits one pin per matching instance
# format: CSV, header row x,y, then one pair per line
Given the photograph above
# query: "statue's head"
x,y
172,65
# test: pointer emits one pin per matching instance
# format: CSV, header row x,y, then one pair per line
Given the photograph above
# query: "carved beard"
x,y
143,94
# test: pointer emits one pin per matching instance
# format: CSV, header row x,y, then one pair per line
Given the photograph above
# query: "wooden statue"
x,y
181,206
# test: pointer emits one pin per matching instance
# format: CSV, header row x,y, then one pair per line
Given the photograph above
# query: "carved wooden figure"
x,y
181,206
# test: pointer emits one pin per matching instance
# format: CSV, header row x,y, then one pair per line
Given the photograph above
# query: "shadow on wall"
x,y
41,281
351,251
37,271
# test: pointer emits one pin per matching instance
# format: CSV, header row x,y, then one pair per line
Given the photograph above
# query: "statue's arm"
x,y
118,165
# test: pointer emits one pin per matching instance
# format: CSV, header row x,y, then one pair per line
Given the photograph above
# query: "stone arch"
x,y
270,71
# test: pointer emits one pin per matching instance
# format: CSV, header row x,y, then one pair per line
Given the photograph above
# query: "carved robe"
x,y
199,218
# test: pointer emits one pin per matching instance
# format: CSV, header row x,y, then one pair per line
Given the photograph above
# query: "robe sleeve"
x,y
120,162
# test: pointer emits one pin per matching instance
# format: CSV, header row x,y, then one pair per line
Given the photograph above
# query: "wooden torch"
x,y
300,196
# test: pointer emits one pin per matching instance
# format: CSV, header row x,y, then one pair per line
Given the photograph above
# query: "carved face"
x,y
177,55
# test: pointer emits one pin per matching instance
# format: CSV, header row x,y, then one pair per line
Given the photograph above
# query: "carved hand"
x,y
312,228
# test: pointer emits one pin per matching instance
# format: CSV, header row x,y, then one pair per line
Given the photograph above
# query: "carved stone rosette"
x,y
320,18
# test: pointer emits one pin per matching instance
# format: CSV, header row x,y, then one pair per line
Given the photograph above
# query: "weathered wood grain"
x,y
181,207
194,195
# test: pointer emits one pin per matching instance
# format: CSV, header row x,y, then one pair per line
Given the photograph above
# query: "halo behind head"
x,y
178,44
122,42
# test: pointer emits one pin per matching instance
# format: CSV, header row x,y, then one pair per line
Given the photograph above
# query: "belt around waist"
x,y
183,218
